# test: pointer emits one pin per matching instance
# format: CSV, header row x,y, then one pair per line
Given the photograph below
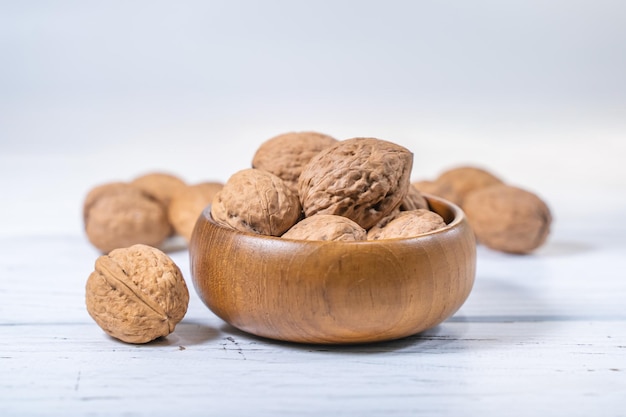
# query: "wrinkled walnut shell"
x,y
285,155
256,201
508,218
118,215
363,179
136,294
187,205
465,179
326,227
406,224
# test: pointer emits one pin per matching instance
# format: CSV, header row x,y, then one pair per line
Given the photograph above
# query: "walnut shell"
x,y
187,204
160,185
118,215
101,190
413,200
406,224
465,179
285,155
508,218
442,190
326,227
363,179
256,201
136,294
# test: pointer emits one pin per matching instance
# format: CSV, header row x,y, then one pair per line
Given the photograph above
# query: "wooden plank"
x,y
458,367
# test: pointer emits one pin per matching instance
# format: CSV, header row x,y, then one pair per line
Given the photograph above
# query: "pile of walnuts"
x,y
311,186
308,185
136,293
303,186
146,210
503,217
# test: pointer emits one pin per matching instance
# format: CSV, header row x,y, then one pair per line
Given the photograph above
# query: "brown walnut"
x,y
136,294
160,185
363,179
413,200
508,218
187,205
465,179
406,224
326,227
256,201
118,215
437,189
285,155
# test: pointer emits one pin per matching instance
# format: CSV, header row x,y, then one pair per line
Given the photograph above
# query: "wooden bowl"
x,y
334,292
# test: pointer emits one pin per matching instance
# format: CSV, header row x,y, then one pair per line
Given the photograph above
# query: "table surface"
x,y
543,333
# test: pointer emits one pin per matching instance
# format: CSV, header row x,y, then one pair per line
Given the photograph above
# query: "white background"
x,y
533,90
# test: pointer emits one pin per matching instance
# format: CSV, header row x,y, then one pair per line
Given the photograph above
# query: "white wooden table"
x,y
543,334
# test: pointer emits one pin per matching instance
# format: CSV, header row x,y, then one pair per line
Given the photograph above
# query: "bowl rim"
x,y
458,216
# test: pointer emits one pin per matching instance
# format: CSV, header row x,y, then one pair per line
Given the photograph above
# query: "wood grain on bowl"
x,y
334,292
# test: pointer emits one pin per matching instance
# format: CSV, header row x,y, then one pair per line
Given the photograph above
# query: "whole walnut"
x,y
508,218
465,179
363,179
187,205
136,294
118,215
256,201
443,190
406,224
326,227
285,155
161,185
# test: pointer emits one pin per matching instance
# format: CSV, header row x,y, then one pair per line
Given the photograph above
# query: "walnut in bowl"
x,y
334,292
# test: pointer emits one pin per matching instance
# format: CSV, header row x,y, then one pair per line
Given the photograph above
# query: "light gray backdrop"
x,y
528,88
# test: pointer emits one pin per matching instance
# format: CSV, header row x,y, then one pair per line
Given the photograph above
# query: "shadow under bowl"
x,y
334,292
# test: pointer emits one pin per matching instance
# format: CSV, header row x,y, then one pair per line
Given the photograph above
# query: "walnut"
x,y
507,218
118,215
465,179
326,227
160,185
187,205
363,179
285,155
413,200
406,224
256,201
136,294
102,190
442,190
